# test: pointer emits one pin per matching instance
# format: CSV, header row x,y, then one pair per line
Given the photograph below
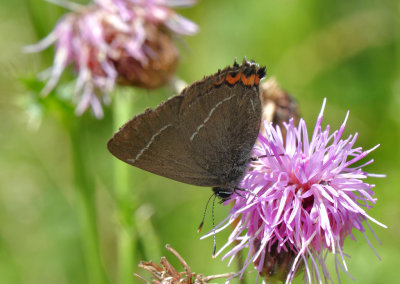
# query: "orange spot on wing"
x,y
245,80
252,79
232,80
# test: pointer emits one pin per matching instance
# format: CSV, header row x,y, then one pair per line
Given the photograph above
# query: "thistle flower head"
x,y
305,197
110,39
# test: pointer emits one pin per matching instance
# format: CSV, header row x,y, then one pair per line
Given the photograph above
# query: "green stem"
x,y
122,112
86,201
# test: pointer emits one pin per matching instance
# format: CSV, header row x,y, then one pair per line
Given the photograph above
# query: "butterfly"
x,y
203,136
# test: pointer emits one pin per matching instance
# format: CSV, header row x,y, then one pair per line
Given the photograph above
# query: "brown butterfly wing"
x,y
170,141
223,130
152,141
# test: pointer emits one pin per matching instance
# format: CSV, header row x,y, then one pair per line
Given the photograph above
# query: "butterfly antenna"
x,y
204,214
213,222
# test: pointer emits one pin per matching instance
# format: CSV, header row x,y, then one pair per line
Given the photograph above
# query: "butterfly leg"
x,y
237,189
252,159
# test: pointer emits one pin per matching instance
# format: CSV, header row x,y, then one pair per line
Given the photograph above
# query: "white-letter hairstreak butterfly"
x,y
203,136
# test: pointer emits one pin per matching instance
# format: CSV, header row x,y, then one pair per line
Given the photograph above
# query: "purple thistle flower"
x,y
304,197
102,39
155,11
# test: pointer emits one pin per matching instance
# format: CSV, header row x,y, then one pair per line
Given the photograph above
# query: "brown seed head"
x,y
278,105
277,265
162,60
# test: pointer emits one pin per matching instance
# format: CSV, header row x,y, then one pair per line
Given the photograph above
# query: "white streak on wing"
x,y
252,105
208,116
149,143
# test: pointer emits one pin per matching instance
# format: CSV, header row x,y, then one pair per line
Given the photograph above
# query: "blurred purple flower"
x,y
94,38
304,198
154,11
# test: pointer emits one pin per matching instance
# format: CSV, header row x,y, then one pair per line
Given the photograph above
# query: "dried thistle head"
x,y
167,274
278,105
162,60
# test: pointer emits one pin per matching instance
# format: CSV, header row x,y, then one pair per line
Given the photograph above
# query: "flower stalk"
x,y
126,202
86,202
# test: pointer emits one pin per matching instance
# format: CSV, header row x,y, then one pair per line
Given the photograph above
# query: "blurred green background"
x,y
346,51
